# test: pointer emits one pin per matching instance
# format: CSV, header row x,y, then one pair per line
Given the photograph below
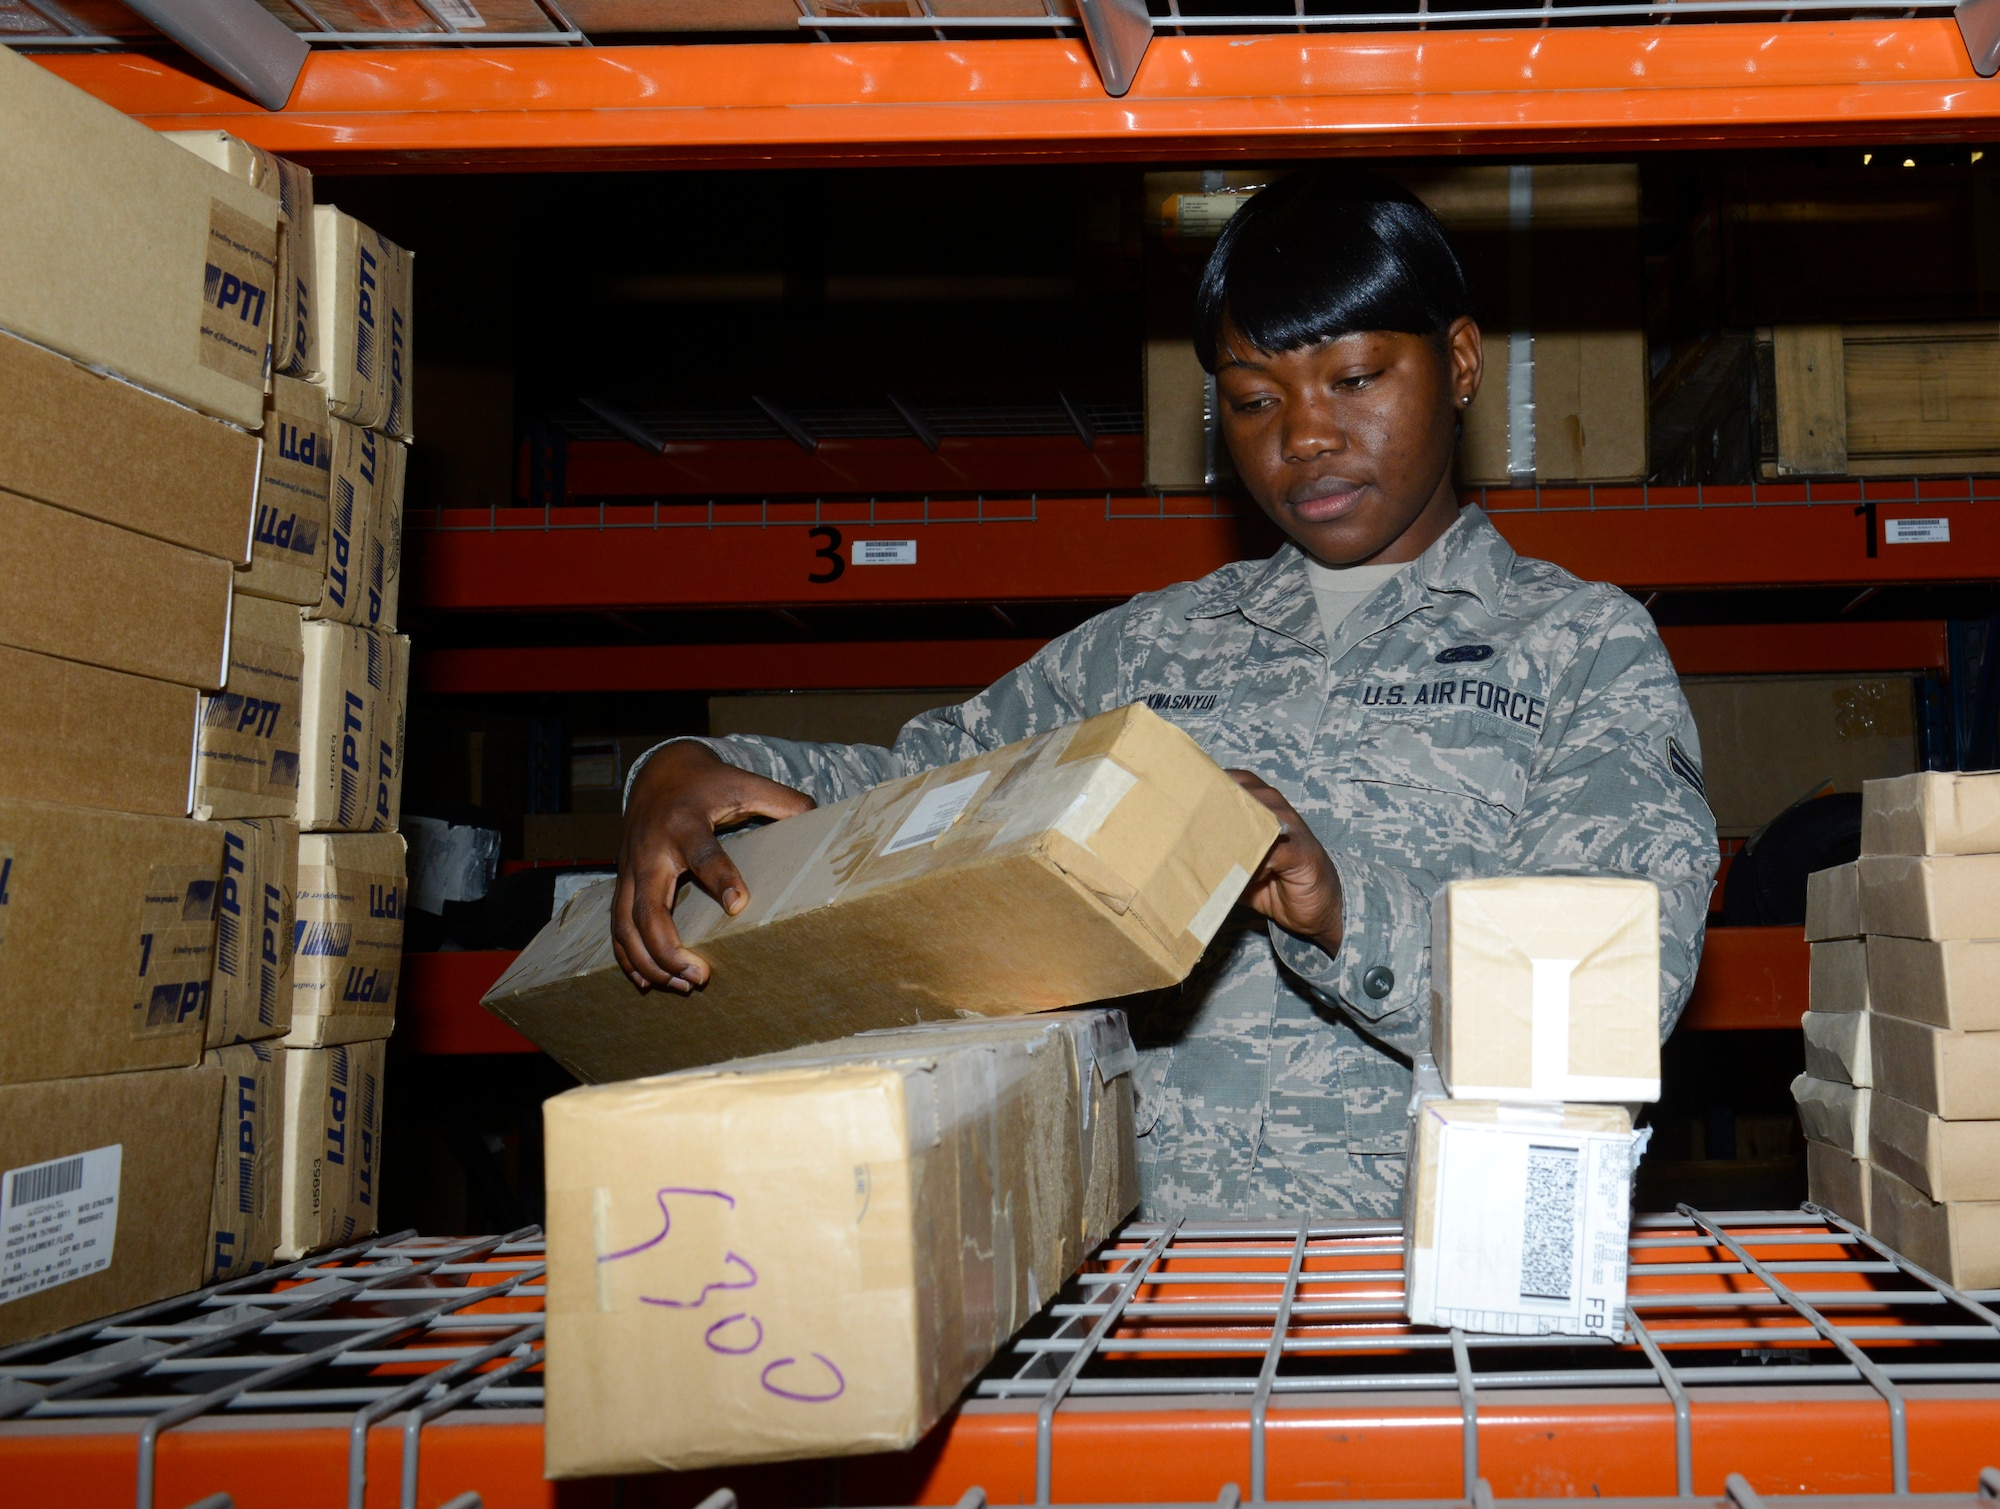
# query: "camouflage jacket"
x,y
1482,713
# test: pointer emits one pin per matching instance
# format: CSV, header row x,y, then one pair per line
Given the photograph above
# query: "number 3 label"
x,y
829,552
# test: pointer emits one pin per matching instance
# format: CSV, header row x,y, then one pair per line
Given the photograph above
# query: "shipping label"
x,y
58,1220
237,288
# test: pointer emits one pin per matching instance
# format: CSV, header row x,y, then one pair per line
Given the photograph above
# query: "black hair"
x,y
1324,253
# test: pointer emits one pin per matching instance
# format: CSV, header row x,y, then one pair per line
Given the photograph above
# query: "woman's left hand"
x,y
1296,886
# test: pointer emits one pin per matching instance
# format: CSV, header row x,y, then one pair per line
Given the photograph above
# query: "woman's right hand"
x,y
679,798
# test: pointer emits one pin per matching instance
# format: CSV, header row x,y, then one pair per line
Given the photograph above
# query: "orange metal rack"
x,y
1774,1352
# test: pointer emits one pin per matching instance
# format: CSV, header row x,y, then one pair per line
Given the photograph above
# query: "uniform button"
x,y
1379,981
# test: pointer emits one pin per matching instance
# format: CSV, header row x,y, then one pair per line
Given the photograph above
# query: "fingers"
x,y
716,873
647,955
758,797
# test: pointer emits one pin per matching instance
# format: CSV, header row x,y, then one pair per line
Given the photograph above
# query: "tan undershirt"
x,y
1339,590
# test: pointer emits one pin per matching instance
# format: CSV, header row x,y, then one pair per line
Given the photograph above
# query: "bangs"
x,y
1326,253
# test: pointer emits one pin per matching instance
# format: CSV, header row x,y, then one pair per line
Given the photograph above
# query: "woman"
x,y
1412,700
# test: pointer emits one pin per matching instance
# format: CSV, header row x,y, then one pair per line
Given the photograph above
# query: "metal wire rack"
x,y
1792,1326
402,1324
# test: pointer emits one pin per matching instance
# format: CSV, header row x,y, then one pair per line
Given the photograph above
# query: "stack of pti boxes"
x,y
1545,1031
144,297
301,751
1901,1095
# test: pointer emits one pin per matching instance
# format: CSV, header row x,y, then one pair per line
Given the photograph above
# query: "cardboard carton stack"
x,y
1833,1094
1545,1012
137,302
1927,902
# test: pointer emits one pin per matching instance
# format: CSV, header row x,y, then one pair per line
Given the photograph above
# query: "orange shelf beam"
x,y
1605,88
1750,977
441,1013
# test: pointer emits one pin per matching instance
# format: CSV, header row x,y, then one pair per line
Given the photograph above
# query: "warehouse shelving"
x,y
1771,1353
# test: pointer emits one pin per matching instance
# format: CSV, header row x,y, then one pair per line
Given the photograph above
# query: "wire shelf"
x,y
1257,1324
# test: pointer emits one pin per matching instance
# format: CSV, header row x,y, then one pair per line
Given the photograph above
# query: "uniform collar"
x,y
1469,557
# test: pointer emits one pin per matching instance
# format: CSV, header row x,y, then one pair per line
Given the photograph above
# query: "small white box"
x,y
1518,1217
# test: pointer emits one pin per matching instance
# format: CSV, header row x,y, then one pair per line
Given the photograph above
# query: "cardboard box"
x,y
892,1207
1949,896
363,299
109,940
352,900
81,734
1840,1182
90,591
251,730
1833,904
1955,983
1547,988
1932,812
249,1160
364,549
125,252
332,1147
351,735
1959,1241
251,995
1947,1160
1955,1075
1833,1113
1519,1216
1839,977
105,1186
1113,847
289,548
1768,740
89,443
1837,1046
294,347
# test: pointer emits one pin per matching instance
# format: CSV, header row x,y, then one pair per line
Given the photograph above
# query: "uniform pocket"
x,y
1460,755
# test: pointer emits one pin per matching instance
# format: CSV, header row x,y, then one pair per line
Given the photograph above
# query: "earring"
x,y
1465,400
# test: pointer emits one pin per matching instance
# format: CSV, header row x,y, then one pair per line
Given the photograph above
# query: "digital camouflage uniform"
x,y
1480,714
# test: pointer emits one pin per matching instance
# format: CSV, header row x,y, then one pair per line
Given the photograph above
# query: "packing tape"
x,y
1548,1027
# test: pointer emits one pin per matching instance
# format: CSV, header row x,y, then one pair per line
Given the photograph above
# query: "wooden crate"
x,y
1880,400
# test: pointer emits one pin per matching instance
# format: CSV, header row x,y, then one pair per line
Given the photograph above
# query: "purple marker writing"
x,y
715,1345
839,1382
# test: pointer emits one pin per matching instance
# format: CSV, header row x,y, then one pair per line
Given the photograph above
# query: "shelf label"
x,y
1916,531
885,552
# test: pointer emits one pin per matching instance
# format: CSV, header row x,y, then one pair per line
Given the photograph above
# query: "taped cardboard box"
x,y
1949,896
1955,1075
1959,1241
95,738
1833,904
294,348
249,1160
363,298
1837,1046
1833,1113
1947,1160
1090,862
289,548
105,1186
123,251
1954,983
90,591
351,735
364,547
85,441
332,1147
1839,977
109,940
884,1212
252,730
251,995
1932,812
1519,1216
352,900
1547,988
1839,1181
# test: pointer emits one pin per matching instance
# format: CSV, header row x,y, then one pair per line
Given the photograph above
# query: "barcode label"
x,y
459,13
1548,1232
885,552
58,1220
935,811
31,1186
1916,531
